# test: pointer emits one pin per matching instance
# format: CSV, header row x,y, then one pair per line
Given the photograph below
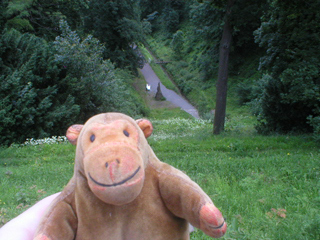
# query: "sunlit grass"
x,y
30,172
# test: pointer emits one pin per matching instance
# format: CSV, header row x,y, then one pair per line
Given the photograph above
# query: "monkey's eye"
x,y
92,137
126,133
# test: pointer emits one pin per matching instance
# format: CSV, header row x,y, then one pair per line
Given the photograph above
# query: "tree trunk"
x,y
222,82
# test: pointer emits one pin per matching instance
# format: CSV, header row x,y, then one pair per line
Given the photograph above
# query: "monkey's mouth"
x,y
115,184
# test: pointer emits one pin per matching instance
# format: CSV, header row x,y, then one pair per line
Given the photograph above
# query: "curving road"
x,y
170,95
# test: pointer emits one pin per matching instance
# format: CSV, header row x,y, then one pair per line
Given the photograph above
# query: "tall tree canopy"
x,y
239,19
290,33
117,24
165,15
41,17
32,102
47,86
77,73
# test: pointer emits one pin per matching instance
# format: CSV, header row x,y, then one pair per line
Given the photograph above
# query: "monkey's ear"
x,y
73,133
146,127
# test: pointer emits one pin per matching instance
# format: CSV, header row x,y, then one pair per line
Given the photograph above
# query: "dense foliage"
x,y
32,99
42,92
116,24
177,43
53,75
47,85
290,34
165,15
95,83
41,17
284,90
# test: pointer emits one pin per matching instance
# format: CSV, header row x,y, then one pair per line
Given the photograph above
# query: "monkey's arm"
x,y
60,221
185,199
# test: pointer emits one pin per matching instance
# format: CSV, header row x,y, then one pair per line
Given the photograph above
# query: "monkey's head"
x,y
111,155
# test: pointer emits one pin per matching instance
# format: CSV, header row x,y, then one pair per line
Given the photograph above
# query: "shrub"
x,y
45,88
291,39
286,103
98,85
315,124
29,99
177,43
244,92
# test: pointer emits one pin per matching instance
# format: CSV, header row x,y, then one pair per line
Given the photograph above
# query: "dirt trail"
x,y
171,96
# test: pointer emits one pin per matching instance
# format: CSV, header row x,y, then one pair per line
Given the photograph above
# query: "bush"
x,y
45,88
315,124
99,86
290,36
31,105
286,103
244,92
177,43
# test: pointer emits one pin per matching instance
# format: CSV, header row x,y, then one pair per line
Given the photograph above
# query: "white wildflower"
x,y
52,140
176,127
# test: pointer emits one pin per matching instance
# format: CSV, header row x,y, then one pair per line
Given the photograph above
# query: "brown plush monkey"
x,y
120,190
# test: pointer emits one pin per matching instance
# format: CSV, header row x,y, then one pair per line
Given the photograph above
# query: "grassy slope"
x,y
266,187
27,174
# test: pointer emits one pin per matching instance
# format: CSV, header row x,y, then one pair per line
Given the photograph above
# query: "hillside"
x,y
266,187
269,69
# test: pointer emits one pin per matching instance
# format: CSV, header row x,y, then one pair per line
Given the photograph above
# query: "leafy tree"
x,y
95,83
171,19
172,15
177,43
41,17
213,14
30,105
291,97
17,15
46,88
165,15
222,8
116,24
208,20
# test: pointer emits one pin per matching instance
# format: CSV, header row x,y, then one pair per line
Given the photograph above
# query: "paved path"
x,y
170,95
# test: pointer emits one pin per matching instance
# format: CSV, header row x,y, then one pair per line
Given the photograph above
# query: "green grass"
x,y
267,187
29,173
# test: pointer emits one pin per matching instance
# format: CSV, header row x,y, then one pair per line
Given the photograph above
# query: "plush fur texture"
x,y
121,191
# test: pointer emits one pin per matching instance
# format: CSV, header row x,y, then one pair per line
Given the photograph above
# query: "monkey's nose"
x,y
108,163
